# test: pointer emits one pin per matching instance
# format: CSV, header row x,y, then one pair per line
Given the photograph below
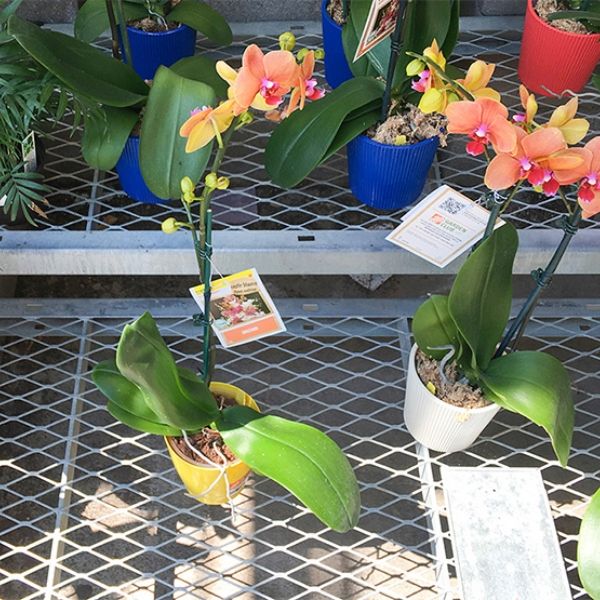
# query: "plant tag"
x,y
442,226
29,153
380,24
241,309
3,200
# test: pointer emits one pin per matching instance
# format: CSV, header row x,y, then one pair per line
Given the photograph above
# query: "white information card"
x,y
442,226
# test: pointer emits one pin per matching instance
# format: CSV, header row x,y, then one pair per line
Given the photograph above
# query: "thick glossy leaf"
x,y
300,458
434,328
481,295
200,68
92,19
577,15
83,68
447,46
105,134
353,127
144,359
201,17
588,548
362,67
537,386
126,401
301,141
163,159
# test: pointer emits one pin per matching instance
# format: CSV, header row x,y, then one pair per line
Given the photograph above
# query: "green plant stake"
x,y
394,53
207,340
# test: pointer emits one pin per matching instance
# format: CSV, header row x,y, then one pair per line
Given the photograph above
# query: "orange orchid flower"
x,y
271,75
541,157
529,104
589,188
205,123
229,74
485,121
477,77
306,86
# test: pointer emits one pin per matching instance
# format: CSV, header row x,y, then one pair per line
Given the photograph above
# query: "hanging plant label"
x,y
442,226
379,26
241,309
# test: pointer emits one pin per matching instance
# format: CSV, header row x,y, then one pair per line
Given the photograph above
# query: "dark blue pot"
x,y
130,175
150,50
336,66
388,177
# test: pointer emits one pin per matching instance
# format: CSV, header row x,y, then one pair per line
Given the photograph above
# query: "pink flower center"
x,y
526,164
481,131
519,118
269,91
592,179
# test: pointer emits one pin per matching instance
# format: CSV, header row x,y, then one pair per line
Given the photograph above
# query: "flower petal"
x,y
502,134
564,113
575,130
594,147
502,172
281,67
543,142
226,72
463,116
570,165
253,61
245,88
201,135
590,208
193,121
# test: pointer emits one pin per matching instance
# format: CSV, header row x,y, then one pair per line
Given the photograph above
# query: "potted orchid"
x,y
561,45
391,143
467,327
151,33
215,432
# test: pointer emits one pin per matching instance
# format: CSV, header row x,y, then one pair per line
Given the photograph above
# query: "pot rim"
x,y
567,34
139,31
404,147
412,364
326,15
233,463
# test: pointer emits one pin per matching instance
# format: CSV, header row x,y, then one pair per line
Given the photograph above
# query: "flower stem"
x,y
542,278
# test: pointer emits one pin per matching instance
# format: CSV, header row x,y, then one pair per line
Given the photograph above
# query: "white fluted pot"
x,y
436,424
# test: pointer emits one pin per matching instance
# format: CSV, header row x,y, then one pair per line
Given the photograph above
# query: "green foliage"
x,y
300,458
92,18
200,68
163,159
585,11
472,320
308,137
148,392
303,140
588,548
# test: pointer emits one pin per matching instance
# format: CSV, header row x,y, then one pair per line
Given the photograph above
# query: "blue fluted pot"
x,y
336,66
130,175
388,177
150,50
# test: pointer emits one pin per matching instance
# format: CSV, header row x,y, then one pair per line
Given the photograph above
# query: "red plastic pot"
x,y
553,61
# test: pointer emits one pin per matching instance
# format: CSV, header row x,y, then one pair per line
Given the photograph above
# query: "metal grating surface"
x,y
94,510
258,216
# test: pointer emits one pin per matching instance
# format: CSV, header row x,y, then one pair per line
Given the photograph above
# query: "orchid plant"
x,y
145,388
520,151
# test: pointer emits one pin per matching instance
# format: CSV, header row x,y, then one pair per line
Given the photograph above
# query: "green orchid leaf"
x,y
144,359
537,386
362,67
352,127
447,46
302,141
588,548
163,159
433,327
92,19
201,17
105,134
82,68
481,296
200,68
300,458
126,401
596,81
576,15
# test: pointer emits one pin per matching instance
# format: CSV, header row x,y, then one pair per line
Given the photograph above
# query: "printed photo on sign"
x,y
442,226
380,24
29,153
241,309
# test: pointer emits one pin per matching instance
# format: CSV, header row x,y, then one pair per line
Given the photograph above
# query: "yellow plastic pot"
x,y
207,484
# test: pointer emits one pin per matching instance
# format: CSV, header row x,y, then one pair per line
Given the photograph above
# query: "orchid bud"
x,y
189,197
287,41
415,67
170,225
319,54
301,54
211,181
187,186
246,118
222,183
452,97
